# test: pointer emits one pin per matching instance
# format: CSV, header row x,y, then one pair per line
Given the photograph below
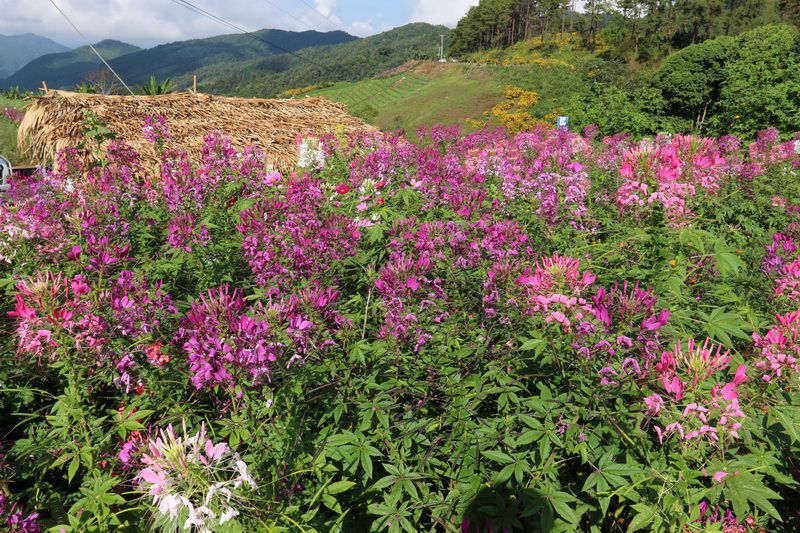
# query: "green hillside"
x,y
8,131
426,93
18,50
185,58
351,61
67,69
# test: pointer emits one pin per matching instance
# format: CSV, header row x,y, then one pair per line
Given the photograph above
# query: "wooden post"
x,y
44,86
195,84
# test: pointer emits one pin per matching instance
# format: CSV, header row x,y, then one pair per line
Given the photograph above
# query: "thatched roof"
x,y
54,121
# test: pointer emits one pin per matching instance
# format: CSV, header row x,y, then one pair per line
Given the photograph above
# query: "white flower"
x,y
311,154
797,147
198,517
172,504
244,477
228,514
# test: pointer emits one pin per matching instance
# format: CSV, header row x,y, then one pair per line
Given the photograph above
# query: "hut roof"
x,y
55,121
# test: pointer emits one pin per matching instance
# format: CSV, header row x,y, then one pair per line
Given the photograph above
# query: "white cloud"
x,y
361,28
440,11
150,22
325,7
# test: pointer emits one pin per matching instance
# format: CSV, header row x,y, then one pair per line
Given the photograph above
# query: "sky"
x,y
150,22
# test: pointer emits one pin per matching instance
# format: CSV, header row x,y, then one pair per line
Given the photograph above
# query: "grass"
x,y
460,93
8,132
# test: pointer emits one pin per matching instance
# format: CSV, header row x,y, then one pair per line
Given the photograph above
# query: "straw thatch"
x,y
55,120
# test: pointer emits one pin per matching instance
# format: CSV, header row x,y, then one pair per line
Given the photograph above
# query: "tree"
x,y
691,79
760,86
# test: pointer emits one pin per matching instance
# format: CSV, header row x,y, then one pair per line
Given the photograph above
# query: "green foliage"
x,y
760,85
155,87
691,79
614,110
86,88
8,128
349,62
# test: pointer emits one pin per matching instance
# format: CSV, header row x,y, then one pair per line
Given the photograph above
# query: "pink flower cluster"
x,y
669,172
14,115
192,480
694,403
55,314
291,238
777,352
229,343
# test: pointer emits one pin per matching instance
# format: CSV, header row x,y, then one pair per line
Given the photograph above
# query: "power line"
x,y
203,12
313,8
291,14
114,72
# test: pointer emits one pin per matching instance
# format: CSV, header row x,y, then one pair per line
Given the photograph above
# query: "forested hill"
x,y
173,60
64,70
186,57
352,61
639,29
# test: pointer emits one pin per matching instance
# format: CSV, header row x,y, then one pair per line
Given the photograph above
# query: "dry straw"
x,y
55,120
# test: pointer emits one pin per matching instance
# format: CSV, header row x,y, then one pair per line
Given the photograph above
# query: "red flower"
x,y
155,355
343,189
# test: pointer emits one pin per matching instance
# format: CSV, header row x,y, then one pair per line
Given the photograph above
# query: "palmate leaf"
x,y
560,501
721,325
728,263
644,516
743,488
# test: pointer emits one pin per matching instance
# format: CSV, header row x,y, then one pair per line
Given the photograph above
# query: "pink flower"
x,y
654,404
215,452
559,317
741,375
719,476
343,189
156,478
272,178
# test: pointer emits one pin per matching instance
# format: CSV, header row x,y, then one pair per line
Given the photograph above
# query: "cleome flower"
x,y
696,403
193,483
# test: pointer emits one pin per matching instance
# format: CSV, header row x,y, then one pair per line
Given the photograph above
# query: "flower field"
x,y
541,332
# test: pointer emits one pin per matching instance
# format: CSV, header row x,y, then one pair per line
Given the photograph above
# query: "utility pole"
x,y
441,49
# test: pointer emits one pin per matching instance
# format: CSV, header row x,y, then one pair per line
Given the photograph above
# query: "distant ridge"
x,y
67,69
16,51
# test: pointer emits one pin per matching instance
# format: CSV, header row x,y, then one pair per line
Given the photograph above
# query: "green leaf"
x,y
339,487
73,468
728,263
789,423
644,516
498,457
722,325
560,500
537,345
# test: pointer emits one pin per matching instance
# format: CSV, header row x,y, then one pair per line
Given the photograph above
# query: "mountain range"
x,y
263,63
66,69
18,50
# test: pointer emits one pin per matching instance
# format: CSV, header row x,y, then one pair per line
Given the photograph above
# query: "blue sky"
x,y
150,22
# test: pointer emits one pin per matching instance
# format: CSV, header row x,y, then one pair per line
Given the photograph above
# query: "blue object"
x,y
562,123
